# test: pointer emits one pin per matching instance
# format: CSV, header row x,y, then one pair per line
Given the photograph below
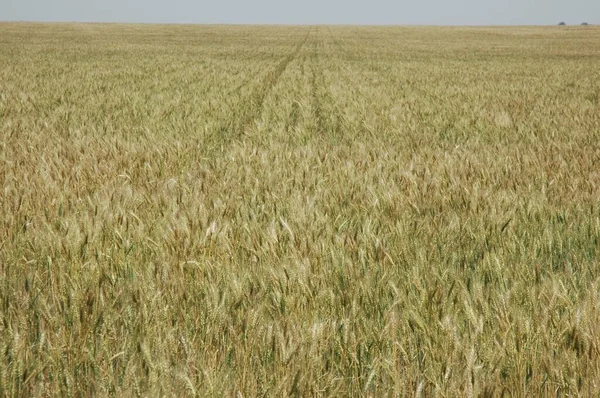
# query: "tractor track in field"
x,y
316,80
251,108
329,128
258,97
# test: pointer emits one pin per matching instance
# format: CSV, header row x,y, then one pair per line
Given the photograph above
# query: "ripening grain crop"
x,y
299,211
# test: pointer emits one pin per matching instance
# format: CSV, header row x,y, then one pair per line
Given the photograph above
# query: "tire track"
x,y
330,128
252,108
316,79
258,98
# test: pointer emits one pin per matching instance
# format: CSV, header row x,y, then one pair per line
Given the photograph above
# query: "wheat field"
x,y
299,211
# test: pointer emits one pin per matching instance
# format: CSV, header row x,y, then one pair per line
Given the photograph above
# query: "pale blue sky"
x,y
427,12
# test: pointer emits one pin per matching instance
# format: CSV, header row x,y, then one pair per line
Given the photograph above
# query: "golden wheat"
x,y
326,211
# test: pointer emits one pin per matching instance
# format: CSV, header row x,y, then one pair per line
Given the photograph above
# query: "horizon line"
x,y
289,24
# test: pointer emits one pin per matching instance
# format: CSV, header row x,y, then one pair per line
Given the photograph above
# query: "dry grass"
x,y
299,211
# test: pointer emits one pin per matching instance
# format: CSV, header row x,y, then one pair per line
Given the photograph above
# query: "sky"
x,y
361,12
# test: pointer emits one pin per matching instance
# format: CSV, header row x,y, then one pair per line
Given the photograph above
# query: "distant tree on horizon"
x,y
584,24
562,24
